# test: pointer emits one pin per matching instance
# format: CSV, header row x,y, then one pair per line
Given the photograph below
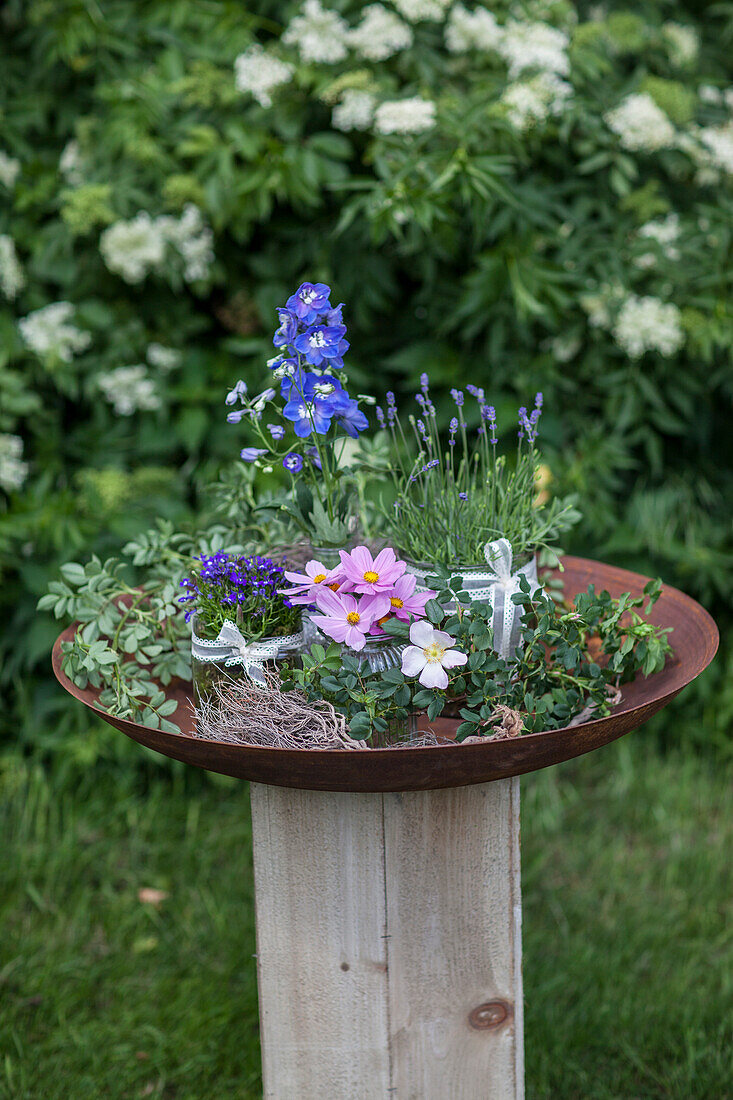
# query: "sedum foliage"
x,y
568,237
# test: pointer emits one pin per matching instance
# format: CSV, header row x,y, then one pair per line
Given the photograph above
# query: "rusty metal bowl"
x,y
694,639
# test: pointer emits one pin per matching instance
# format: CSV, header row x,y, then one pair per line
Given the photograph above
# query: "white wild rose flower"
x,y
472,30
640,124
49,332
129,390
430,654
12,278
131,249
355,111
259,73
404,116
9,170
380,34
648,324
13,470
318,34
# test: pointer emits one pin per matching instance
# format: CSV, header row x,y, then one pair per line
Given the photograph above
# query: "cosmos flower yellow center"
x,y
396,601
353,617
319,577
434,652
371,576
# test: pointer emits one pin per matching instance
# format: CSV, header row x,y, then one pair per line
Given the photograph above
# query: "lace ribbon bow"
x,y
232,648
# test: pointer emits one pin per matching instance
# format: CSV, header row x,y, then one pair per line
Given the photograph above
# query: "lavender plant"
x,y
314,404
243,590
451,500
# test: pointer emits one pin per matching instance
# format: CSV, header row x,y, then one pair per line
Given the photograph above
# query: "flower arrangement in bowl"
x,y
462,505
314,416
451,622
239,619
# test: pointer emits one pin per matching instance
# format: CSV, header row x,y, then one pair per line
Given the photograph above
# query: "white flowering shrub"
x,y
527,195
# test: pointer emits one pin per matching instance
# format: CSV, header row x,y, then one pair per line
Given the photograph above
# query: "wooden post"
x,y
389,943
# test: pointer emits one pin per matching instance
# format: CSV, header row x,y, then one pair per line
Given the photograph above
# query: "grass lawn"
x,y
626,869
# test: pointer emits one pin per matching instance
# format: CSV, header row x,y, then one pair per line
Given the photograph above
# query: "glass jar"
x,y
231,657
482,584
398,731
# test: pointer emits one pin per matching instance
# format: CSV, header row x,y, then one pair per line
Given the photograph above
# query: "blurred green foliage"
x,y
475,251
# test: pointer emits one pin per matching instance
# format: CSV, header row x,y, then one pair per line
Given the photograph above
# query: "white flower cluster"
x,y
71,163
158,355
472,30
129,390
12,279
318,34
534,46
259,73
418,10
380,34
192,239
9,170
532,101
49,332
354,111
640,124
564,348
718,143
13,470
134,248
682,43
648,324
664,231
718,97
404,116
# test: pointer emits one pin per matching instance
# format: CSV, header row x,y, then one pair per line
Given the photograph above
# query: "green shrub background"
x,y
474,251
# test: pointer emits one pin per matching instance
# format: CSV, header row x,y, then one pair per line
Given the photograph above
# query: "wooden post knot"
x,y
492,1014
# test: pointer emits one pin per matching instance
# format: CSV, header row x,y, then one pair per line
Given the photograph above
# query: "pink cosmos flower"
x,y
430,655
309,584
405,601
368,575
346,619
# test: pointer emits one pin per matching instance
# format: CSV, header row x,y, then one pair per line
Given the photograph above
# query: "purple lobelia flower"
x,y
293,462
237,415
309,300
463,496
250,454
314,456
276,431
